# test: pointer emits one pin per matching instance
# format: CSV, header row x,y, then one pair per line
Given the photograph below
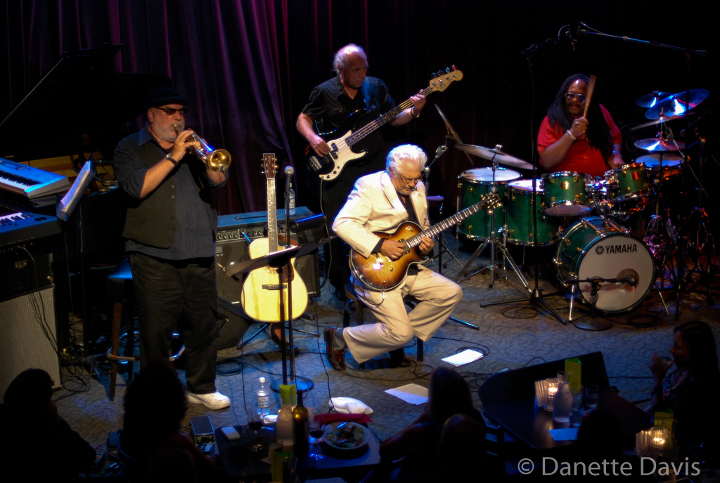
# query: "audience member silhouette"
x,y
37,443
691,391
449,411
155,405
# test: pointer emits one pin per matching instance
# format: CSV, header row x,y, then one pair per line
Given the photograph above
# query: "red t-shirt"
x,y
581,157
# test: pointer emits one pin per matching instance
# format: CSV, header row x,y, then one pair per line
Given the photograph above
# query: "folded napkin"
x,y
348,405
354,418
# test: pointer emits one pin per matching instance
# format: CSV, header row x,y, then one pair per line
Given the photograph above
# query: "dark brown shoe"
x,y
336,358
399,359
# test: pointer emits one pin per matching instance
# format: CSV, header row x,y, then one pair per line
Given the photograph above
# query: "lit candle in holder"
x,y
552,389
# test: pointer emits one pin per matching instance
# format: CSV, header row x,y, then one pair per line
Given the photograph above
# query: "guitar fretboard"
x,y
415,240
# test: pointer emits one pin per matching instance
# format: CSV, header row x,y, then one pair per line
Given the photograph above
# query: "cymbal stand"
x,y
495,247
426,174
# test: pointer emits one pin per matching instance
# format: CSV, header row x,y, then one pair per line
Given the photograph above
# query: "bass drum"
x,y
474,183
590,249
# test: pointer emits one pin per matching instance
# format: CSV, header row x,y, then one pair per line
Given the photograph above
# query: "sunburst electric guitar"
x,y
264,286
381,273
346,143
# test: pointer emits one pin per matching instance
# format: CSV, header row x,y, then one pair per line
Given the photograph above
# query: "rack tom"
x,y
473,184
628,182
566,193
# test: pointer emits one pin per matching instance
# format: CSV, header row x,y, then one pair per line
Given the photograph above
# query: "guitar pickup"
x,y
274,287
314,163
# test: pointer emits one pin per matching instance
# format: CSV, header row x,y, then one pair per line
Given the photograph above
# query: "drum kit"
x,y
599,254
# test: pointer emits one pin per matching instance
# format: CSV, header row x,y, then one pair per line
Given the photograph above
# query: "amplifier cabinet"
x,y
235,232
28,336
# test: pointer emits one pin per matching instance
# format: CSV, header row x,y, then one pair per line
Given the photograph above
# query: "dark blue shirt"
x,y
193,230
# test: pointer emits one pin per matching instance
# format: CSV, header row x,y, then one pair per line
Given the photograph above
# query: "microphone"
x,y
631,281
568,34
288,178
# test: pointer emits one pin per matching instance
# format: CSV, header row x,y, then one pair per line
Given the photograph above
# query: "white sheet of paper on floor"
x,y
465,357
411,393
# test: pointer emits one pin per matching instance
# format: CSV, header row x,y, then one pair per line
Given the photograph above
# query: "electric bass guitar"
x,y
264,286
379,272
347,147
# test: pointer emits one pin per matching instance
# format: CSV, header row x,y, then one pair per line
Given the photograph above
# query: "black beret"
x,y
163,96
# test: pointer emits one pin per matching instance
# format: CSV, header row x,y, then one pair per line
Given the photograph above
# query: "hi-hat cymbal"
x,y
658,144
677,104
657,121
649,100
494,154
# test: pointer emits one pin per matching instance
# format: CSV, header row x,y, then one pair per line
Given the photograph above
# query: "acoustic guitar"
x,y
379,272
345,142
263,287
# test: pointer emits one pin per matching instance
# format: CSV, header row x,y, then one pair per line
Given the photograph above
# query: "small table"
x,y
240,462
529,424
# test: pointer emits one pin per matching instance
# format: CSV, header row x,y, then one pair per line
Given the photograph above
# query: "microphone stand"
x,y
681,280
536,295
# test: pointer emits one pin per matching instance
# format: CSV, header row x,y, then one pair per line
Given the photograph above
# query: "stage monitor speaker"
x,y
233,234
232,323
28,336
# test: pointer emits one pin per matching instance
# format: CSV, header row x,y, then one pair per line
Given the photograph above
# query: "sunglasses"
x,y
580,97
170,111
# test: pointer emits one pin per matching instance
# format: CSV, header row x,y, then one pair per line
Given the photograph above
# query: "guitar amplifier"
x,y
236,232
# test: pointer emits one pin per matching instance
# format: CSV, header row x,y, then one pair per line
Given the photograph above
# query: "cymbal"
x,y
677,104
649,100
659,120
655,144
452,134
494,154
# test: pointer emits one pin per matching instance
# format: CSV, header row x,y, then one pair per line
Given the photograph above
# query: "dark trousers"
x,y
178,295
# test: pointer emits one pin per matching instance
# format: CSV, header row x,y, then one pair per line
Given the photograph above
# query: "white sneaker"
x,y
212,400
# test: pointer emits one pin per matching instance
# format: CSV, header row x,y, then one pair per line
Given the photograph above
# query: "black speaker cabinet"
x,y
232,323
28,336
236,232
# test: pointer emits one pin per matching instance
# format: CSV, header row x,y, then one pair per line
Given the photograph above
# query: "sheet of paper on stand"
x,y
348,405
465,357
564,434
411,393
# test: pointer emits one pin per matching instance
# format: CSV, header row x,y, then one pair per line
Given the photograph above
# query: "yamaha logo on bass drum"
x,y
620,248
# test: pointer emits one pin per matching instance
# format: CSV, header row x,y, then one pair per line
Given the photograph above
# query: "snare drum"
x,y
566,193
628,182
589,249
475,183
519,215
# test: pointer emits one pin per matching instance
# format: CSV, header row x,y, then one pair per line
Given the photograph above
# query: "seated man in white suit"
x,y
380,202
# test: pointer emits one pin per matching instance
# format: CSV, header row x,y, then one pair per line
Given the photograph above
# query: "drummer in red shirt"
x,y
569,142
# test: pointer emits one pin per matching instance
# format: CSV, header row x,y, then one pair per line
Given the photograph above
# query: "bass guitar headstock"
x,y
440,80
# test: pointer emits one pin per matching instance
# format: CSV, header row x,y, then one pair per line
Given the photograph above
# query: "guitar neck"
x,y
272,216
446,223
369,128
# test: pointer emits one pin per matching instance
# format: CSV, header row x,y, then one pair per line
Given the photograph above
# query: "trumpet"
x,y
217,160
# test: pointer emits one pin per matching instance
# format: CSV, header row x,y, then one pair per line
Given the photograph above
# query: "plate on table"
x,y
346,436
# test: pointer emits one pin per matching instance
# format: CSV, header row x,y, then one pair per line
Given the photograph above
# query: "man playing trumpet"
x,y
170,241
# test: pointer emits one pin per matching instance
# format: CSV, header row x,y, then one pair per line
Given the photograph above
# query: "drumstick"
x,y
591,88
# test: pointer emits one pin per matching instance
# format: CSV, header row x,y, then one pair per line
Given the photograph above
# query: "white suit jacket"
x,y
374,205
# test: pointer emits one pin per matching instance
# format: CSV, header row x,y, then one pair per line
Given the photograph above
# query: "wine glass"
x,y
317,429
255,422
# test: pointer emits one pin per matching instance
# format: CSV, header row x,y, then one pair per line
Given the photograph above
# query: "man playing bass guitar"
x,y
380,202
331,104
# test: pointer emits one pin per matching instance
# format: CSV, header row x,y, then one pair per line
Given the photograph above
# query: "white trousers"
x,y
396,327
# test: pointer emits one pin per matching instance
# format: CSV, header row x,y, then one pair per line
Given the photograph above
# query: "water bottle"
x,y
562,405
284,428
263,397
291,200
